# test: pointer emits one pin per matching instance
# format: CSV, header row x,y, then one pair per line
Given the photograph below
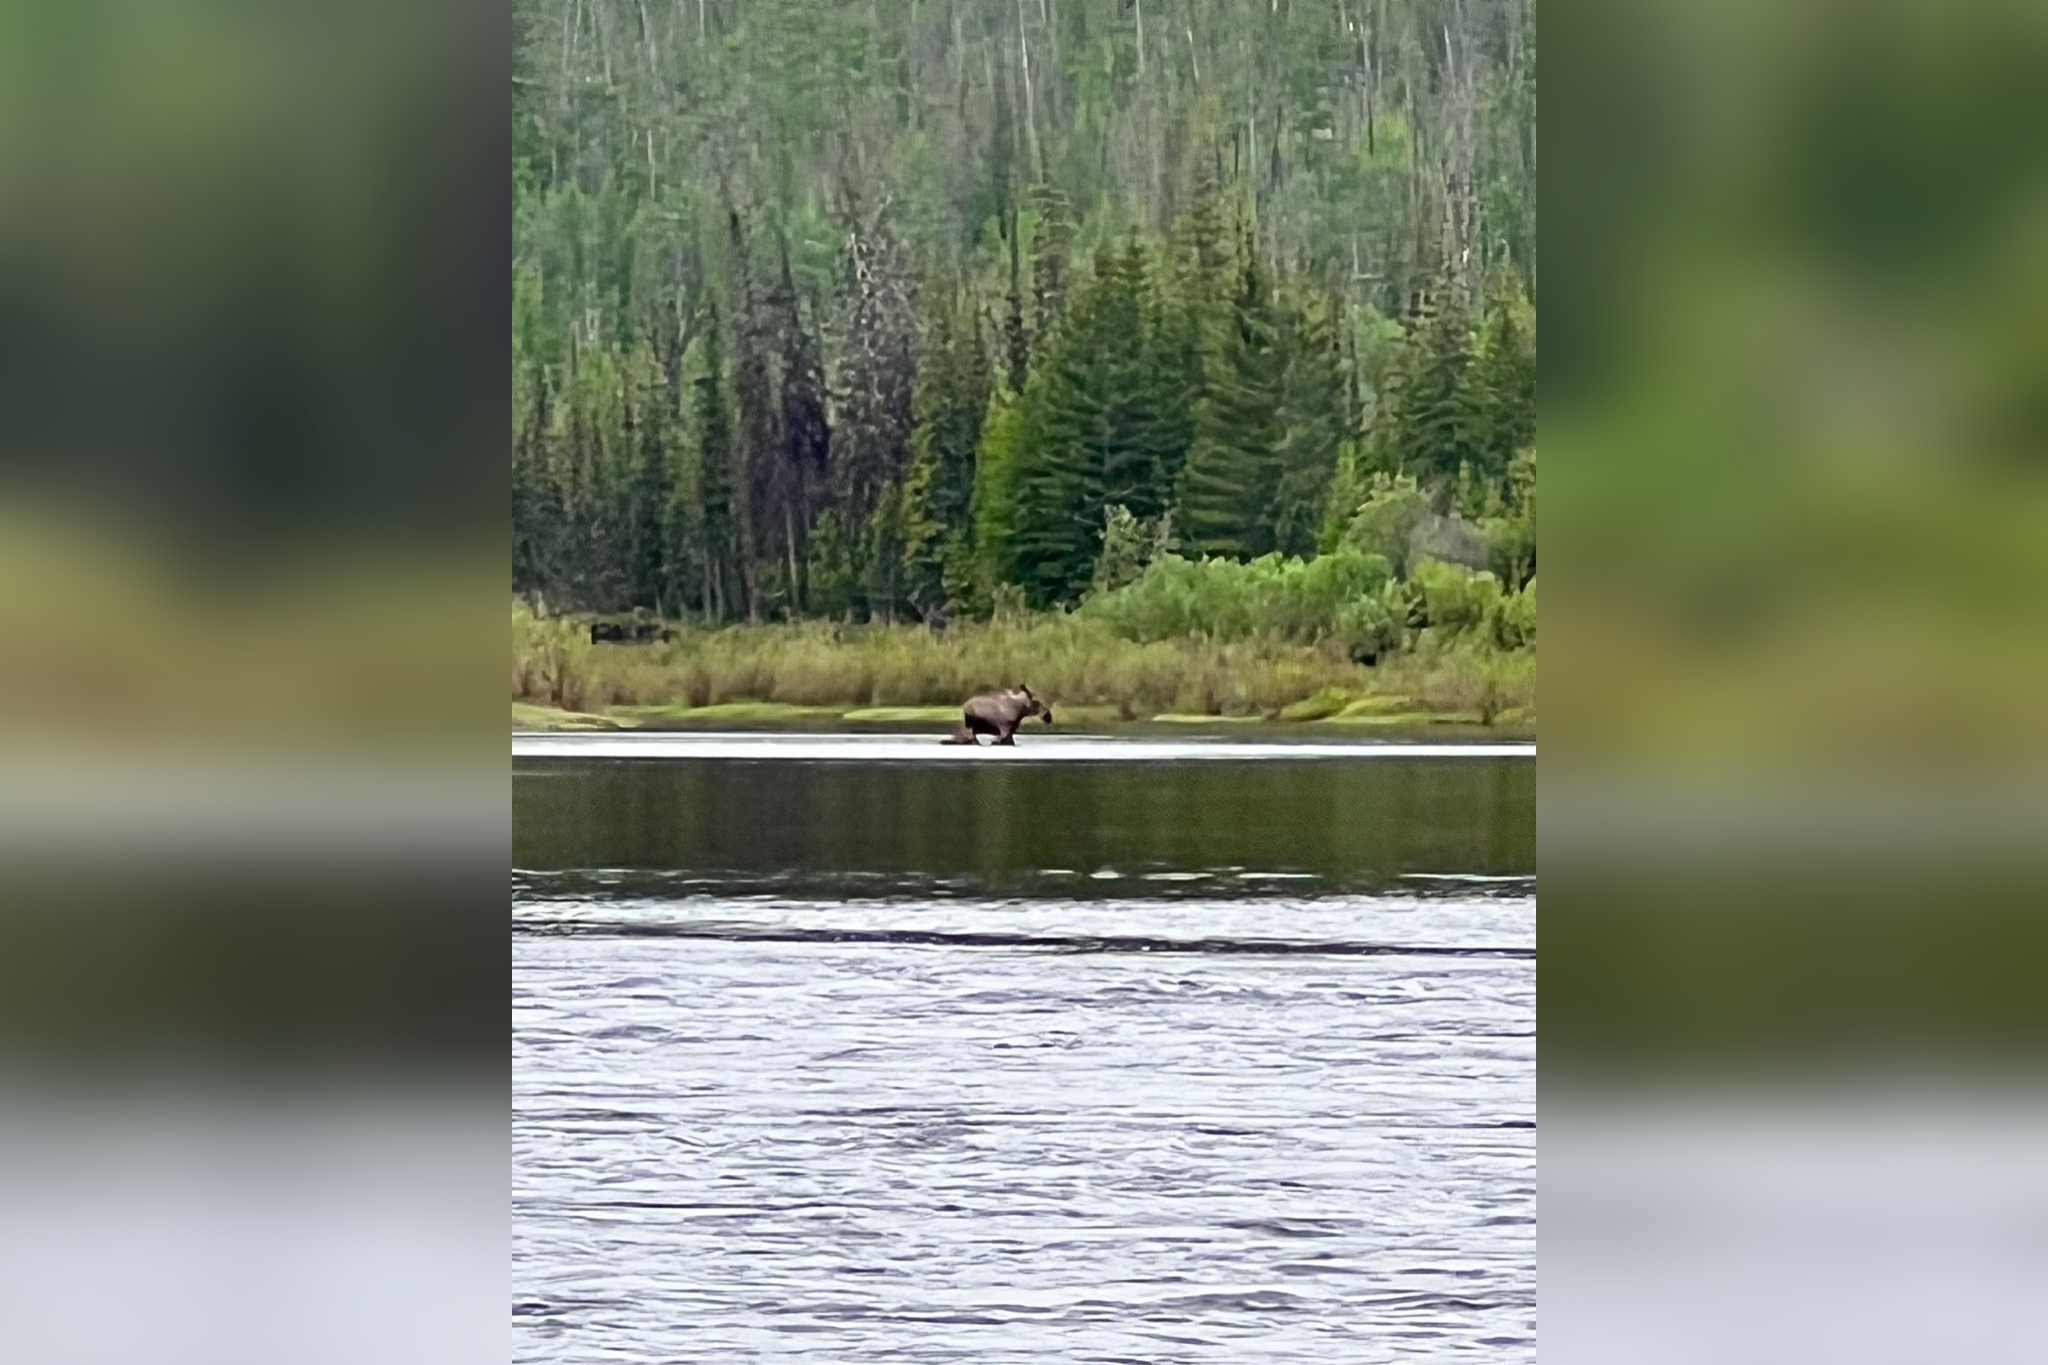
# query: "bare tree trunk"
x,y
789,545
1030,104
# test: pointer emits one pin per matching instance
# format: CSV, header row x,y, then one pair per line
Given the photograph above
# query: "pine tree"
x,y
1233,468
871,445
1005,435
536,502
653,492
1429,420
952,398
1105,424
1049,244
715,469
1313,426
1503,383
806,436
760,489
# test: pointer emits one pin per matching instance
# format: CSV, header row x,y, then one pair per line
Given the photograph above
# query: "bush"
x,y
1224,600
1514,619
1453,597
1386,520
1129,546
549,658
1369,627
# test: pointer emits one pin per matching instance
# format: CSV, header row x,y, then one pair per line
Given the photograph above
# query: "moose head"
x,y
1033,706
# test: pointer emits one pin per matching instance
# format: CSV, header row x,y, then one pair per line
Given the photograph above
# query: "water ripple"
x,y
936,1127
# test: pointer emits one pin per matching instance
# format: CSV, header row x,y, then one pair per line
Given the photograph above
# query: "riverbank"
x,y
819,675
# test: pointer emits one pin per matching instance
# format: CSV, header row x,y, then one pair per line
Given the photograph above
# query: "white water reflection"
x,y
1031,747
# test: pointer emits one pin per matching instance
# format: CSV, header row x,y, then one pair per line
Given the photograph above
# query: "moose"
x,y
998,714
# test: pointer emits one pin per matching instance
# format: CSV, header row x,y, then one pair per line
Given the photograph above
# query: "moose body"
x,y
998,714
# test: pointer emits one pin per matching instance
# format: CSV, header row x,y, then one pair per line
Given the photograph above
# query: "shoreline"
x,y
784,718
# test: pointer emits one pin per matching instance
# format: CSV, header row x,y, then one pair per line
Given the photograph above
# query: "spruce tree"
x,y
1429,419
719,534
806,435
1050,241
761,487
536,504
871,444
1233,467
953,387
1106,424
1313,426
653,480
1503,385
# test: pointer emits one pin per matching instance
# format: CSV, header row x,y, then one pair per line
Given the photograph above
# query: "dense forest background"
x,y
921,308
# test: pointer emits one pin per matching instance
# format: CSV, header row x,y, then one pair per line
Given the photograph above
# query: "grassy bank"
x,y
821,673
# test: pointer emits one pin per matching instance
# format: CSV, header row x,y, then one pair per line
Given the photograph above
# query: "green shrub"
x,y
1454,597
1385,521
1224,600
1514,619
549,659
1371,626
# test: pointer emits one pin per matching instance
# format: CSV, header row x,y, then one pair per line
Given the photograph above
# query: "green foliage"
x,y
1373,624
1504,381
1225,599
716,455
1044,270
1513,619
1385,521
1511,537
832,576
549,658
953,388
1430,419
1454,597
1128,547
1107,423
1233,470
1003,437
1314,422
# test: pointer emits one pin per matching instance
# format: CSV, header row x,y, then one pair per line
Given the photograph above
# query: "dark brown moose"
x,y
998,714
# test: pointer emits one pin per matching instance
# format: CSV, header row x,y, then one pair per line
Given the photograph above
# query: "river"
x,y
860,1048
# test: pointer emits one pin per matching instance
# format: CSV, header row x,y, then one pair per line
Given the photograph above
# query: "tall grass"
x,y
1070,659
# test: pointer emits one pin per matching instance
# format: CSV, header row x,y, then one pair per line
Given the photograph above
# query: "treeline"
x,y
892,311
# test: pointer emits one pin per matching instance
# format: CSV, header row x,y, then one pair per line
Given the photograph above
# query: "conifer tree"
x,y
1233,468
1005,434
653,494
715,468
953,388
1313,425
1049,244
806,435
1503,385
1429,421
1105,424
872,442
760,488
536,502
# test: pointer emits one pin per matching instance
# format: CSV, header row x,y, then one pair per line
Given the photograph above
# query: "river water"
x,y
833,1049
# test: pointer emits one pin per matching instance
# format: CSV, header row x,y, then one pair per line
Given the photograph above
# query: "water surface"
x,y
1220,1058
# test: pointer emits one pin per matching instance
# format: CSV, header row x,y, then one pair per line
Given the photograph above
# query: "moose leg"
x,y
1008,734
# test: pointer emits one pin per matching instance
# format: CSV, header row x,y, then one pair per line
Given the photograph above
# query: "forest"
x,y
933,310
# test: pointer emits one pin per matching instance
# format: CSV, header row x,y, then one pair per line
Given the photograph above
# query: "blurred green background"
x,y
1795,387
254,961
